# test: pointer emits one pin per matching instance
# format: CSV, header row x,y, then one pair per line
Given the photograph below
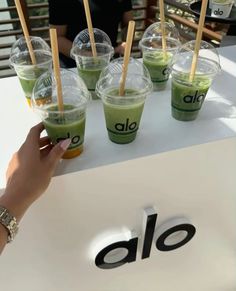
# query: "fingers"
x,y
45,151
57,152
34,133
44,141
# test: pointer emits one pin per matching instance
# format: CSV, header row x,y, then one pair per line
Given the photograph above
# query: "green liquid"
x,y
186,98
122,120
90,74
27,84
158,67
60,127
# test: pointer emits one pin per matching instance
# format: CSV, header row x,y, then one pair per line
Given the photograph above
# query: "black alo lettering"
x,y
218,12
74,140
131,245
166,72
194,98
148,237
188,228
126,126
63,138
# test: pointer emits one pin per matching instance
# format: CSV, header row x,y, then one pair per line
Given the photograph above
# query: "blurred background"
x,y
145,13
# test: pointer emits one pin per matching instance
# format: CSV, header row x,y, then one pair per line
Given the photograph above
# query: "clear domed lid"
x,y
20,55
74,90
82,46
154,30
37,43
208,62
152,37
138,77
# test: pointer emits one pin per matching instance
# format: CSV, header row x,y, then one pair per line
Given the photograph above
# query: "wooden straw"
x,y
198,40
25,31
90,28
162,16
56,66
129,39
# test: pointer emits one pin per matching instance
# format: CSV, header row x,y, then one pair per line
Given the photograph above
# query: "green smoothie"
x,y
123,118
90,73
27,86
158,68
28,81
61,126
90,77
187,98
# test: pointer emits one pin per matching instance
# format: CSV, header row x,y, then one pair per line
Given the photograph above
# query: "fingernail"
x,y
65,144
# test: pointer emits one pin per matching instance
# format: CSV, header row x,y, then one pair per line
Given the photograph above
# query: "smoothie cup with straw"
x,y
20,60
88,66
188,96
155,59
123,113
69,123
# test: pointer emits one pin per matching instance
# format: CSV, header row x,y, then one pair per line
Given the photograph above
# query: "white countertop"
x,y
158,131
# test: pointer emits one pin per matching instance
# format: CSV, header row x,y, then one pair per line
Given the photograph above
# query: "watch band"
x,y
9,222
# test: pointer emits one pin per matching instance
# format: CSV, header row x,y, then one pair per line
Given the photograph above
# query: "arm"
x,y
59,18
64,44
29,174
127,16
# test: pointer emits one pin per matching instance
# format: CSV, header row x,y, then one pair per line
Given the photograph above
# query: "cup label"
x,y
218,12
188,102
166,72
127,126
75,140
196,98
59,132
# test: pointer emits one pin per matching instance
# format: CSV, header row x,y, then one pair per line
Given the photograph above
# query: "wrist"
x,y
15,202
9,222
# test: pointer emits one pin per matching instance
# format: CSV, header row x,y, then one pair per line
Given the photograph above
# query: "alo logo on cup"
x,y
166,72
196,98
172,234
218,12
74,140
127,126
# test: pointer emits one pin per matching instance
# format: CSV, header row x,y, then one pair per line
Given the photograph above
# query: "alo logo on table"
x,y
171,235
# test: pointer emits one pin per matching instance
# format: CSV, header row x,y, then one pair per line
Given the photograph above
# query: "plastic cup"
x,y
21,61
221,8
157,62
69,123
210,4
123,113
187,97
89,67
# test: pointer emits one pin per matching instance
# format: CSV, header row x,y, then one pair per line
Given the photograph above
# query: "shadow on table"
x,y
217,109
222,105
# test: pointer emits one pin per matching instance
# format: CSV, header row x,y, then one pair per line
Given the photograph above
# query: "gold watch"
x,y
9,222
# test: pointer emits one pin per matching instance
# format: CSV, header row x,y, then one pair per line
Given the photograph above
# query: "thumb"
x,y
57,152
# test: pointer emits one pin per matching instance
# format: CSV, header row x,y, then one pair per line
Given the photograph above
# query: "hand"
x,y
31,168
120,49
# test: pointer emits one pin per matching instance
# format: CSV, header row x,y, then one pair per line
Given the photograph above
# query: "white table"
x,y
158,131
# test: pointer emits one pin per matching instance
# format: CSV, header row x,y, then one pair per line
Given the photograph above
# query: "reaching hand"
x,y
120,49
29,174
31,168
